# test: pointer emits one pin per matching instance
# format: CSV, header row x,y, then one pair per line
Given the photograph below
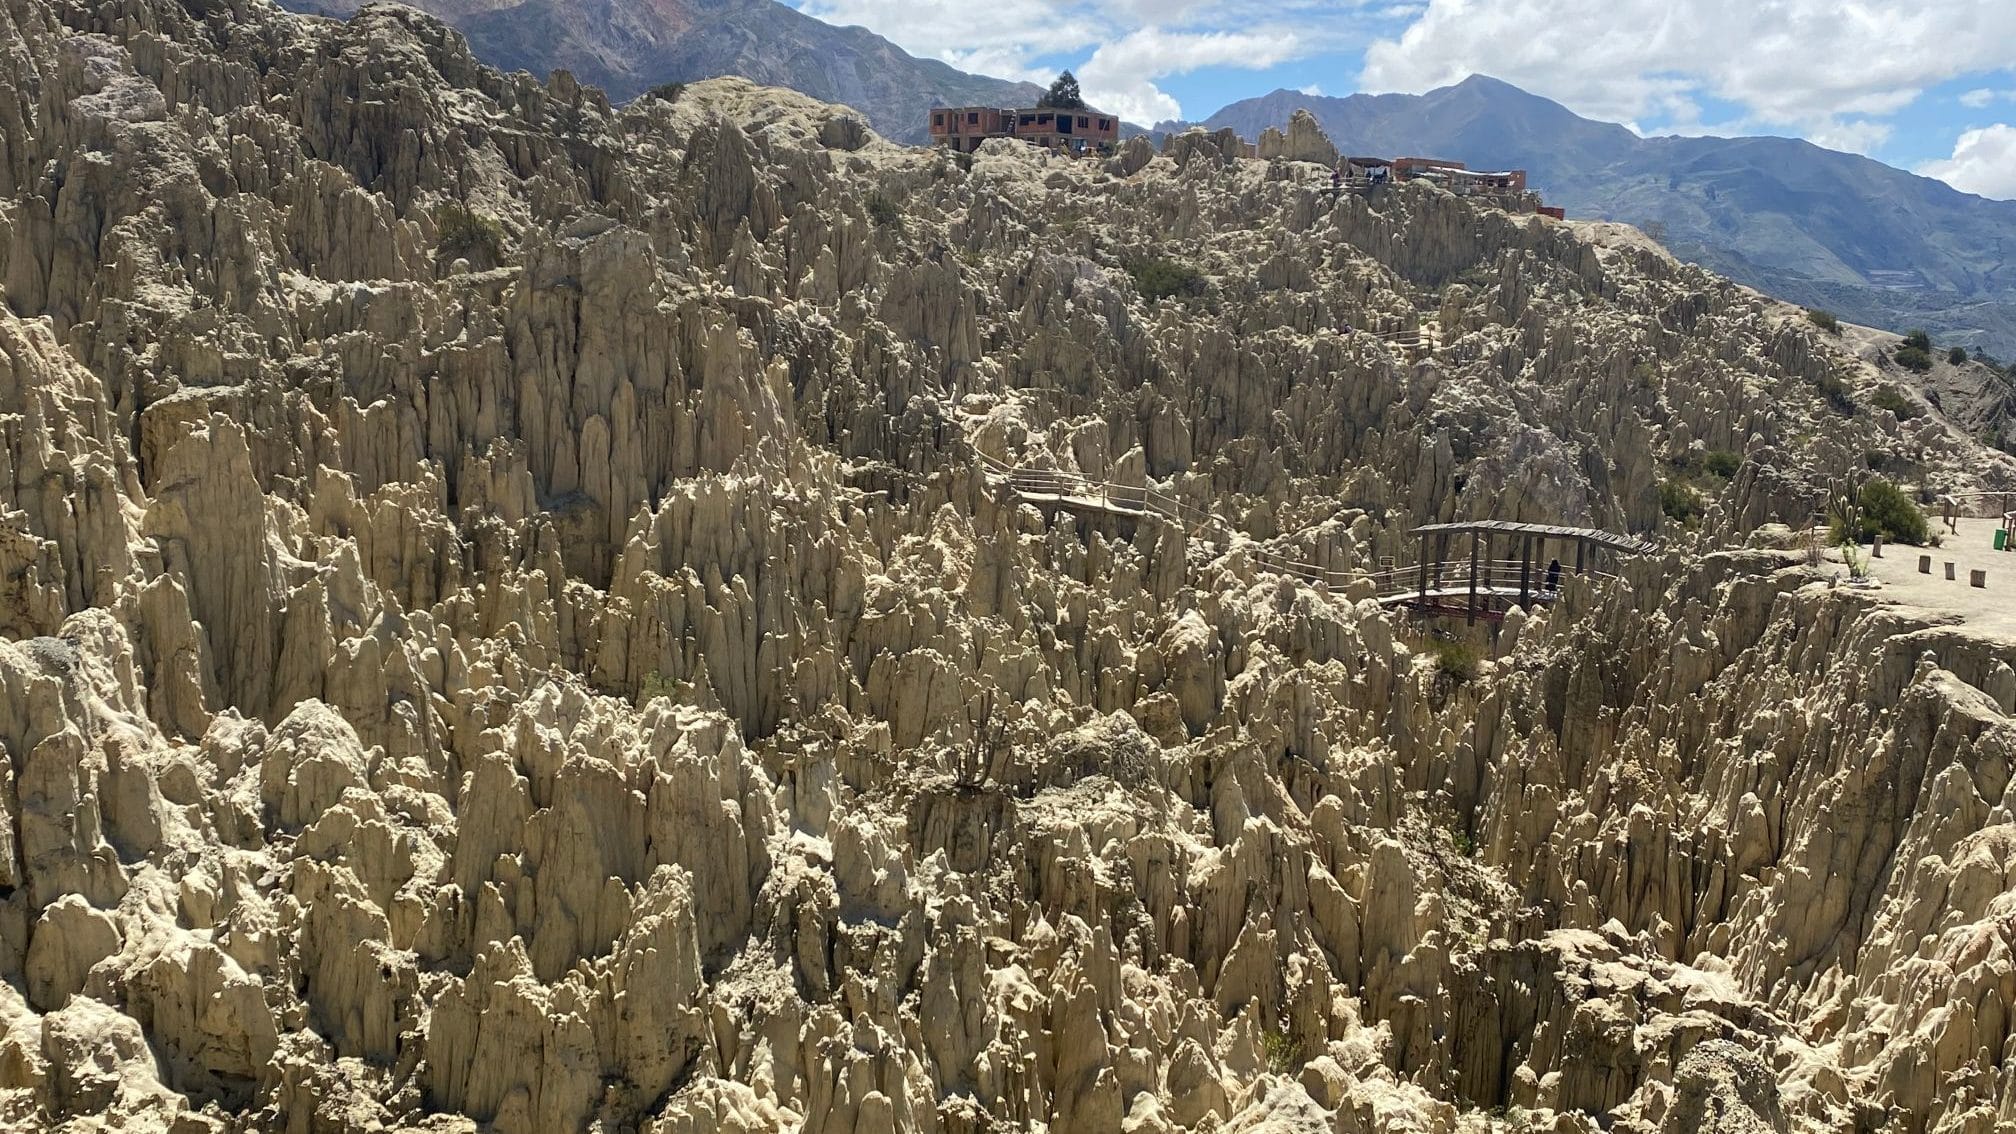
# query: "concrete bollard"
x,y
1977,579
1924,565
1949,570
1876,547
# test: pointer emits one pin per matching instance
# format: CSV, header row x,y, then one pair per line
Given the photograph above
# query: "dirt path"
x,y
1991,609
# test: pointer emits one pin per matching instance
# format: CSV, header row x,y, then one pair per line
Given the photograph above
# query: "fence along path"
x,y
1432,586
1071,490
1056,486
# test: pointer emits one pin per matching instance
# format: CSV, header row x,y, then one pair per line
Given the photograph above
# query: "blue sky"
x,y
1930,87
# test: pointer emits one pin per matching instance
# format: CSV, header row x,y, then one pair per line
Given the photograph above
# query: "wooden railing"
x,y
1446,581
1415,339
1496,577
1142,500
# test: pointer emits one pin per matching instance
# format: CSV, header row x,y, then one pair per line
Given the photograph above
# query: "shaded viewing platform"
x,y
1489,577
1534,565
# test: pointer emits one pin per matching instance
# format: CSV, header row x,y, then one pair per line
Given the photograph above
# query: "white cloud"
x,y
1120,75
1313,90
1983,161
1860,136
1133,42
1835,73
1816,66
999,63
1981,97
1002,39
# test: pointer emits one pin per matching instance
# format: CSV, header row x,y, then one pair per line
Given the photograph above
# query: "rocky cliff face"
x,y
502,627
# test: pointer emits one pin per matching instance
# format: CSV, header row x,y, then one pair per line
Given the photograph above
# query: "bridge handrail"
x,y
1495,575
1060,482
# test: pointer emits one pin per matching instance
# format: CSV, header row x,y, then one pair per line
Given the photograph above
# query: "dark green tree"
x,y
1887,509
1063,94
1859,512
1913,357
1916,352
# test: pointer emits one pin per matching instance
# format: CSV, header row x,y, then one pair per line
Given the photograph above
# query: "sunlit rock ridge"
x,y
503,627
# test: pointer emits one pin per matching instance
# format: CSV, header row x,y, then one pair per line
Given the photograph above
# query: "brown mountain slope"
x,y
626,47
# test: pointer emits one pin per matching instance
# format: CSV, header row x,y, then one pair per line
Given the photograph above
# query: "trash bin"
x,y
2001,539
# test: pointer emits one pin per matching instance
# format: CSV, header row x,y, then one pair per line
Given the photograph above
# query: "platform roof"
x,y
1630,545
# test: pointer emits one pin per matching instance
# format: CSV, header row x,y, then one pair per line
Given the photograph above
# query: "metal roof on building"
x,y
1630,545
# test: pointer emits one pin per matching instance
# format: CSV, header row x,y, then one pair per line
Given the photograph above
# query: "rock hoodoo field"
x,y
504,626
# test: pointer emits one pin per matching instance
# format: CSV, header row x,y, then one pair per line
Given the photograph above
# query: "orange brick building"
x,y
963,128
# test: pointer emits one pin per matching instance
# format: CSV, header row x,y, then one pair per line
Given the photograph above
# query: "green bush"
x,y
1837,394
884,212
1913,358
654,686
1158,279
1457,661
1284,1052
1697,465
1721,462
1957,356
1680,501
1824,320
461,233
1885,508
1919,339
1891,398
1464,842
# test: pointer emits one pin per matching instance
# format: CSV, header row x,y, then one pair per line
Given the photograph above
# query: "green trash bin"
x,y
2001,539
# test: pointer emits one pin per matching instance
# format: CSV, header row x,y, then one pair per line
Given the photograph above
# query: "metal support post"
x,y
1472,619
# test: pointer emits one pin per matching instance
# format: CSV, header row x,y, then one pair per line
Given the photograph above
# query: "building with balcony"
x,y
1077,129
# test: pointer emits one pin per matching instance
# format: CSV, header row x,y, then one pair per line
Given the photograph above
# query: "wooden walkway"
x,y
1415,343
1057,488
1473,587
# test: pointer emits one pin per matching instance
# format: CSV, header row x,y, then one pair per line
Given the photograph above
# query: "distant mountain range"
x,y
626,47
1872,243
